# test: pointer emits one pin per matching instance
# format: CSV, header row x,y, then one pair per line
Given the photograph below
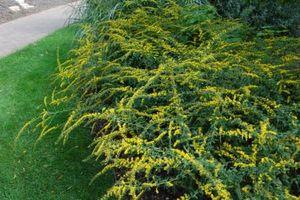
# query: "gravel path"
x,y
7,15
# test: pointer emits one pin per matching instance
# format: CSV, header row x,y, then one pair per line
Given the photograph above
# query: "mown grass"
x,y
42,171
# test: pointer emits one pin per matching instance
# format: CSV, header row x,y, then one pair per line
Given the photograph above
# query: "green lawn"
x,y
45,171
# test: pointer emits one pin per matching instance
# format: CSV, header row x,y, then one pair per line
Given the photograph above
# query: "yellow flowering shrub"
x,y
183,104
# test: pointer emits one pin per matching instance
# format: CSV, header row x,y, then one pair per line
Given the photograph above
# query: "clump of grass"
x,y
92,11
183,104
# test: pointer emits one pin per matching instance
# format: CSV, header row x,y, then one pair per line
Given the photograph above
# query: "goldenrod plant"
x,y
184,104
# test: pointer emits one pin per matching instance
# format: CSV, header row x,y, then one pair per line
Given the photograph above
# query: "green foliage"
x,y
93,11
278,14
184,104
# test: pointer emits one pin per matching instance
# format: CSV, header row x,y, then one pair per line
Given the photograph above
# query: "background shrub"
x,y
183,104
278,14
